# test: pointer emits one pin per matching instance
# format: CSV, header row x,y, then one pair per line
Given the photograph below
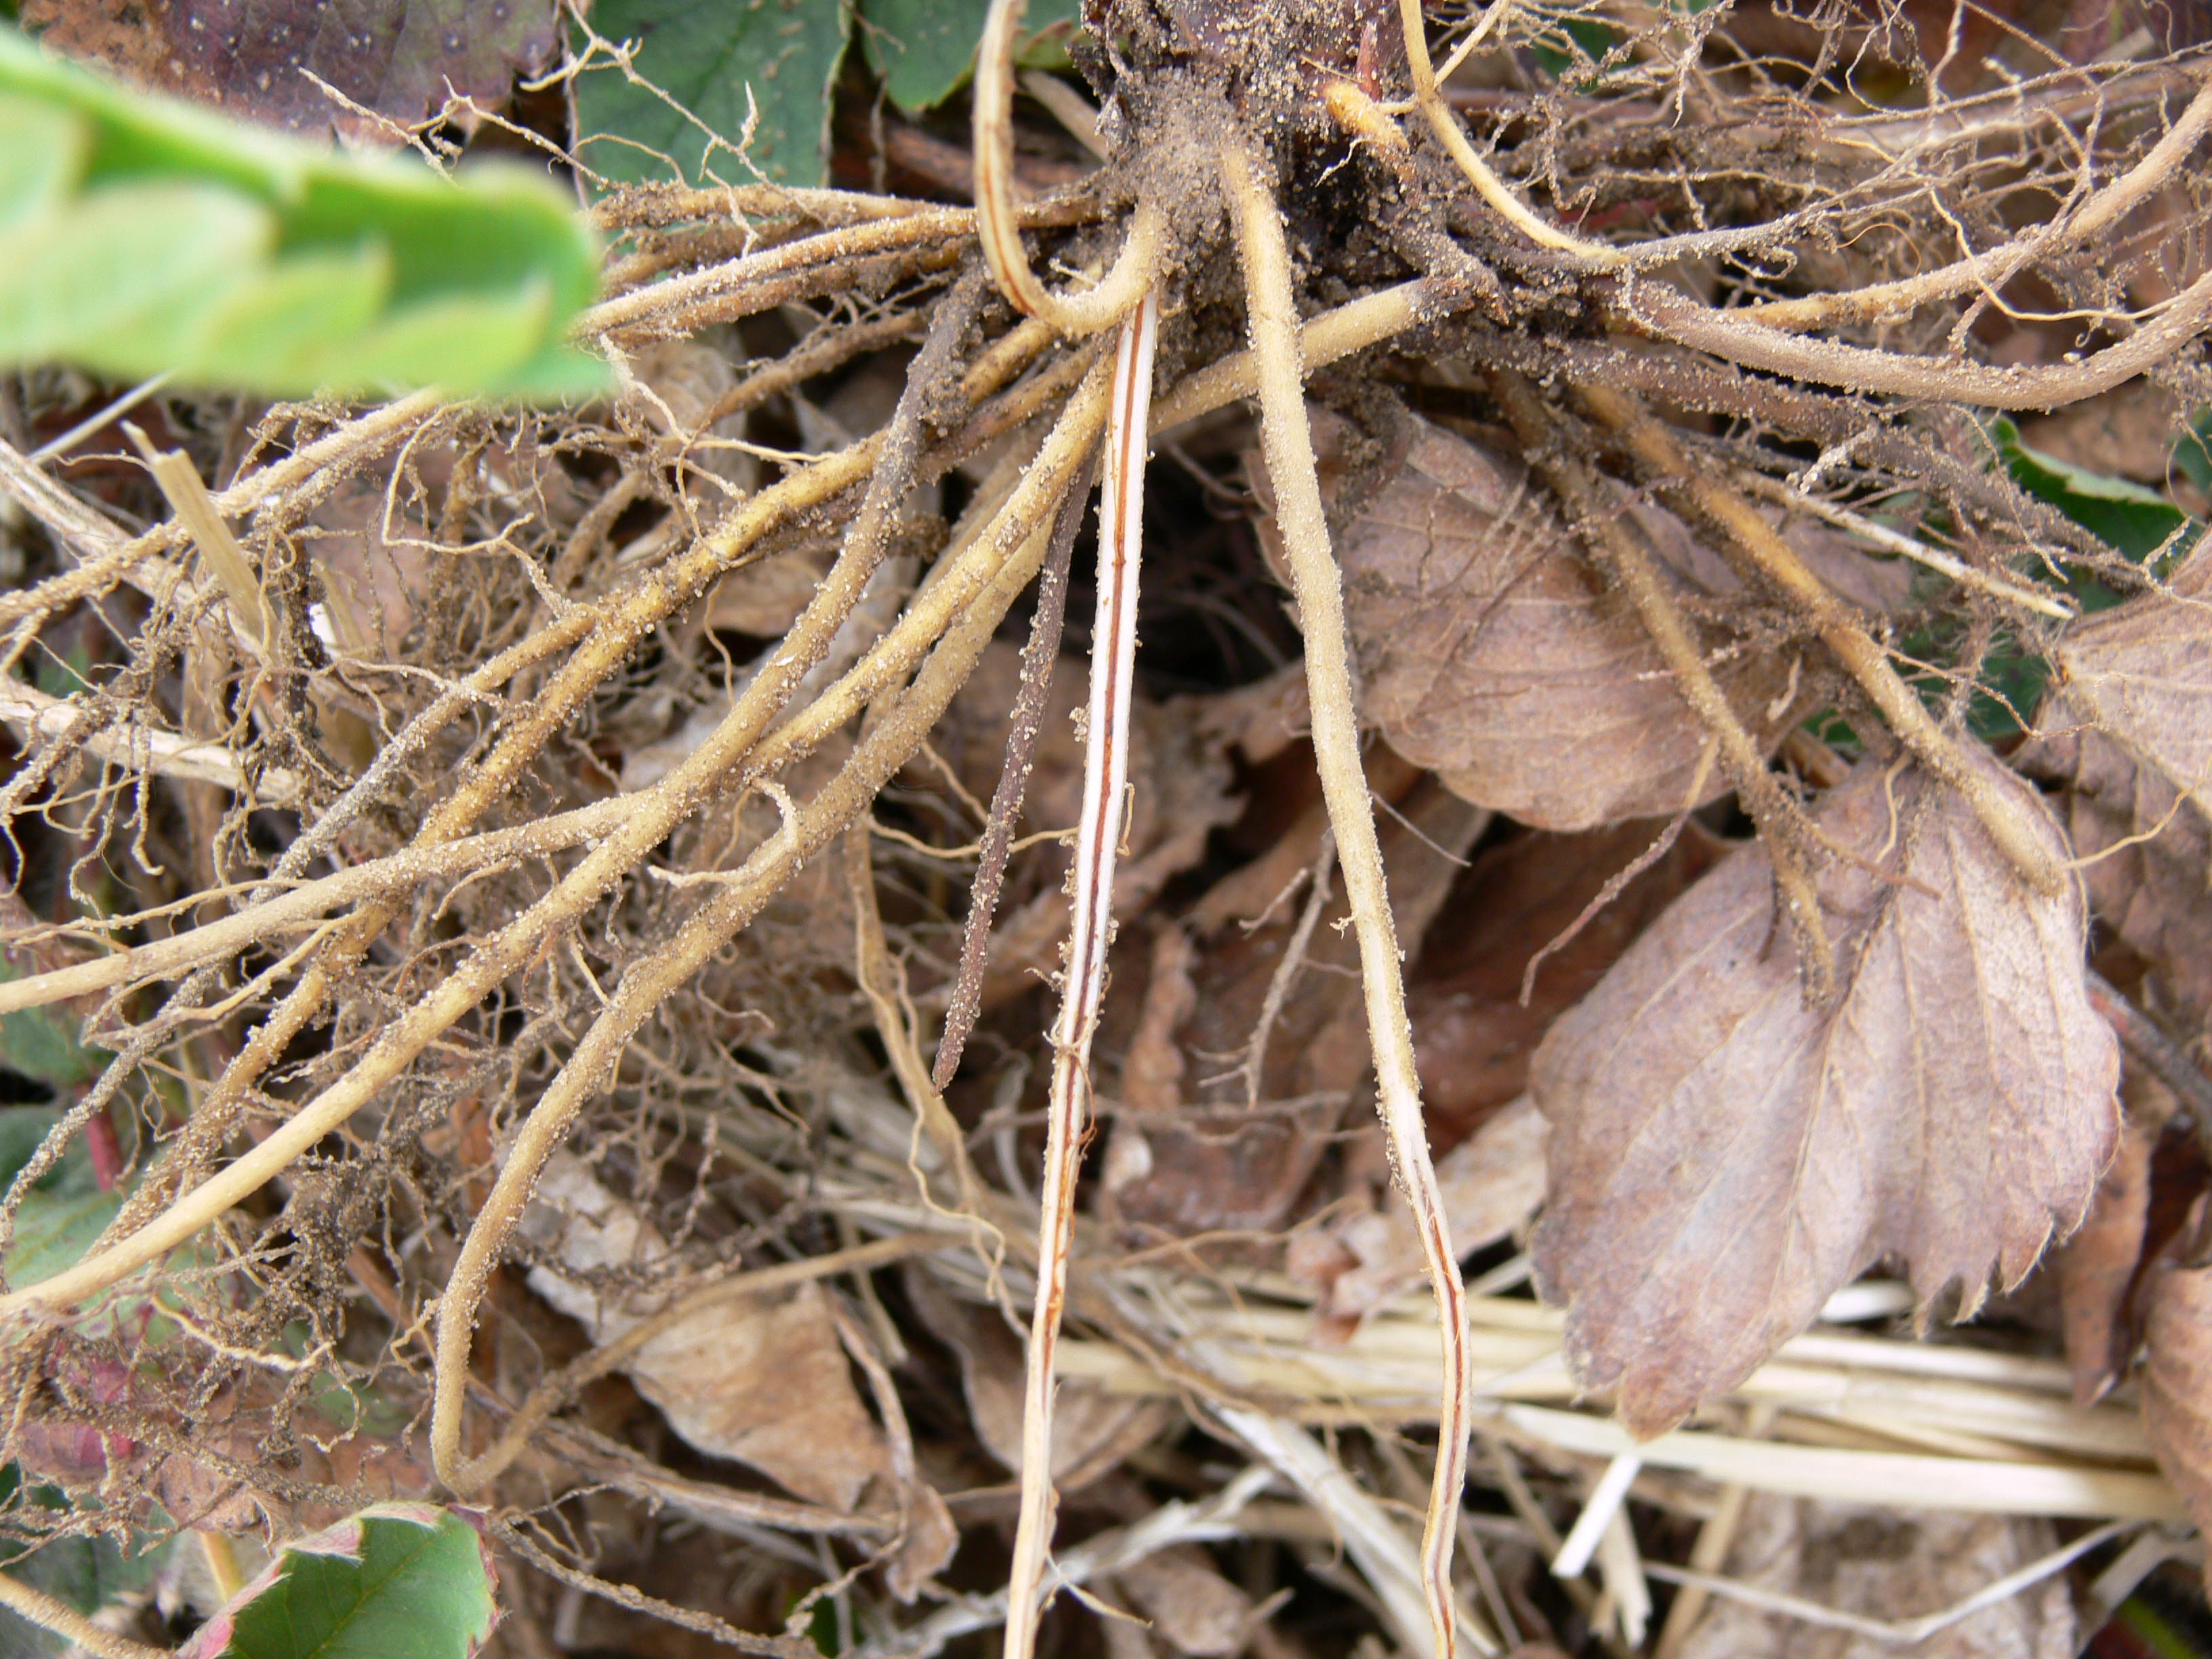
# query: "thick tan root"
x,y
1782,824
1757,548
1287,442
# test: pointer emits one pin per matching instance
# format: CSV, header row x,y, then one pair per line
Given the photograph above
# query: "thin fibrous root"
x,y
1429,98
1758,550
607,634
137,1237
998,225
1105,777
1993,269
881,751
1027,718
1782,823
1286,442
704,774
735,901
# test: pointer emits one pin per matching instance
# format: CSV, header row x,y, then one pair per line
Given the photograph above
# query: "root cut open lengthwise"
x,y
1287,443
1105,779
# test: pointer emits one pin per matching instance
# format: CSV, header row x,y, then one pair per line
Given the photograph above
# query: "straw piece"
x,y
1875,1478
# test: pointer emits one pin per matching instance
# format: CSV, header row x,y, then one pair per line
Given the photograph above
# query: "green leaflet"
x,y
60,1216
771,65
396,1581
923,49
139,235
730,63
2131,518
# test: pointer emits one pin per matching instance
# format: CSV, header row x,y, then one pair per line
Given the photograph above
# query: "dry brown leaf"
x,y
2176,1385
1192,1608
1092,1430
1215,1165
395,59
761,1380
1489,652
2143,672
2097,1265
1891,1564
932,1538
1722,1159
764,1380
1472,1034
1492,1183
2146,852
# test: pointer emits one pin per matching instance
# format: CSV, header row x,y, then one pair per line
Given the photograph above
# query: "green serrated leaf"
x,y
178,241
924,49
771,61
397,1581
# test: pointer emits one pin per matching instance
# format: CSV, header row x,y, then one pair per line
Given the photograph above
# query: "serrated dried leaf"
x,y
2145,853
2096,1265
2143,672
1491,653
1894,1565
1722,1158
2176,1385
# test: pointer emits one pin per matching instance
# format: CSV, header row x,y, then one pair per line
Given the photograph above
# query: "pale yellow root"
x,y
1287,443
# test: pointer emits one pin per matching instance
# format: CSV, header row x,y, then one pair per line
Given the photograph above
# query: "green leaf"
x,y
2131,518
88,1573
61,1216
41,1044
397,1581
924,49
2192,452
140,236
726,62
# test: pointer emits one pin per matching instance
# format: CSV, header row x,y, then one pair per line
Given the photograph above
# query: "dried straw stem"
x,y
1287,443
